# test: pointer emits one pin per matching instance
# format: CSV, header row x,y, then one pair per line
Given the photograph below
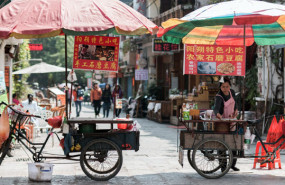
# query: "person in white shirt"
x,y
30,105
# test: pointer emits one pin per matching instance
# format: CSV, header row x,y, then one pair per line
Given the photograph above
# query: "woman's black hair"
x,y
14,95
226,79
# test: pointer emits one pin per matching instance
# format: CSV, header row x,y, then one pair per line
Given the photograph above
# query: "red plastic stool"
x,y
271,165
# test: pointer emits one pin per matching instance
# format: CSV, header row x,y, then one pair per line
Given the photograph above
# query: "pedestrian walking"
x,y
77,98
95,97
106,98
117,94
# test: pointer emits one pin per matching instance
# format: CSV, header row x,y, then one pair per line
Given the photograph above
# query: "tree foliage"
x,y
19,81
54,53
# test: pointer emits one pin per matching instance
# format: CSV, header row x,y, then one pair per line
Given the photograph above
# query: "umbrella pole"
x,y
66,88
243,83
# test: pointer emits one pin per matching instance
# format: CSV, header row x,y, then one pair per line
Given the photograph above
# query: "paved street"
x,y
155,163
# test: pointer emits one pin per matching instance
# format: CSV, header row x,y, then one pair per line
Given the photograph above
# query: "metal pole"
x,y
66,88
243,82
114,111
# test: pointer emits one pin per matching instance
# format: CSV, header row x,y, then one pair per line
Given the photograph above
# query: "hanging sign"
x,y
36,47
96,53
158,45
214,60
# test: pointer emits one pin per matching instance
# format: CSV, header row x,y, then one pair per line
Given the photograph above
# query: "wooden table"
x,y
185,122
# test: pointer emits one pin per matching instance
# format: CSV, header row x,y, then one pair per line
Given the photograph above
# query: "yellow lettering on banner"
x,y
115,41
106,66
239,58
79,39
210,57
101,40
210,49
93,40
91,65
99,65
107,41
116,48
86,39
200,57
113,66
84,64
190,57
190,49
239,50
229,50
219,58
229,58
77,63
200,49
219,50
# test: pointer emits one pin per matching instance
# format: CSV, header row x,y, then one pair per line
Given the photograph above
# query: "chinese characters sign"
x,y
158,45
141,71
214,60
96,53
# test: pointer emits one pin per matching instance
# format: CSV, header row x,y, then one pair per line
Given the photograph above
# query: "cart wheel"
x,y
212,158
189,156
101,159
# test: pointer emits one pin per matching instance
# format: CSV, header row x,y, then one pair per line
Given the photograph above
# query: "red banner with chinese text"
x,y
96,53
214,60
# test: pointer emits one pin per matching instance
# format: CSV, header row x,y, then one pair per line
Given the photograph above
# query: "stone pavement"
x,y
155,163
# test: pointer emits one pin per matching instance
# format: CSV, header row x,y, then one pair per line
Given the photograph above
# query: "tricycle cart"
x,y
99,151
212,153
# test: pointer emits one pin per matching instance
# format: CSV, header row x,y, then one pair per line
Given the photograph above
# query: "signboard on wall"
x,y
158,45
214,60
96,53
141,71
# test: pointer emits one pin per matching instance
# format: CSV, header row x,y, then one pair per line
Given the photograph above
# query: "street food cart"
x,y
56,95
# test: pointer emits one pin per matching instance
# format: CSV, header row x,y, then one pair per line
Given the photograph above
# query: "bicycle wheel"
x,y
189,156
5,148
212,158
101,159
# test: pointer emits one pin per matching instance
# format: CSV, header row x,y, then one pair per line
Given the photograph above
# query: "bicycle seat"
x,y
253,122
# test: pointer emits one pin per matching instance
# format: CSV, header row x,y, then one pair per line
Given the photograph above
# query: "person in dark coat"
x,y
106,98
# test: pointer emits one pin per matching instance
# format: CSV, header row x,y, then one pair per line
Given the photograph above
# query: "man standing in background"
x,y
95,97
77,98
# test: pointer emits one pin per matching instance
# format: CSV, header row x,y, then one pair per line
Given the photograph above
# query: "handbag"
x,y
118,103
4,126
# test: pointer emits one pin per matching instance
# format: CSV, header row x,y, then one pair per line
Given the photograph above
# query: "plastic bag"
x,y
4,126
55,122
71,76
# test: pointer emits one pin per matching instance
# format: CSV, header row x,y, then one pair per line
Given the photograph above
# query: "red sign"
x,y
214,60
36,47
96,53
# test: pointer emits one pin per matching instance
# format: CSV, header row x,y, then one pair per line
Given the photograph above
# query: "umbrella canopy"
x,y
256,21
41,68
46,18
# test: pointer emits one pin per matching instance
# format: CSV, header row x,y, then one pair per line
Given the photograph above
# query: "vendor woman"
x,y
225,107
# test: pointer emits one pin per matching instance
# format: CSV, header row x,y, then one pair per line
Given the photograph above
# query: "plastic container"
x,y
124,126
40,171
247,139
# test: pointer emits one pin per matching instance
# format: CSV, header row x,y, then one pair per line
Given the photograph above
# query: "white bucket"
x,y
40,171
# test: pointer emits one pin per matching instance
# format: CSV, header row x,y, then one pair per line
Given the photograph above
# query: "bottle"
x,y
247,139
65,127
